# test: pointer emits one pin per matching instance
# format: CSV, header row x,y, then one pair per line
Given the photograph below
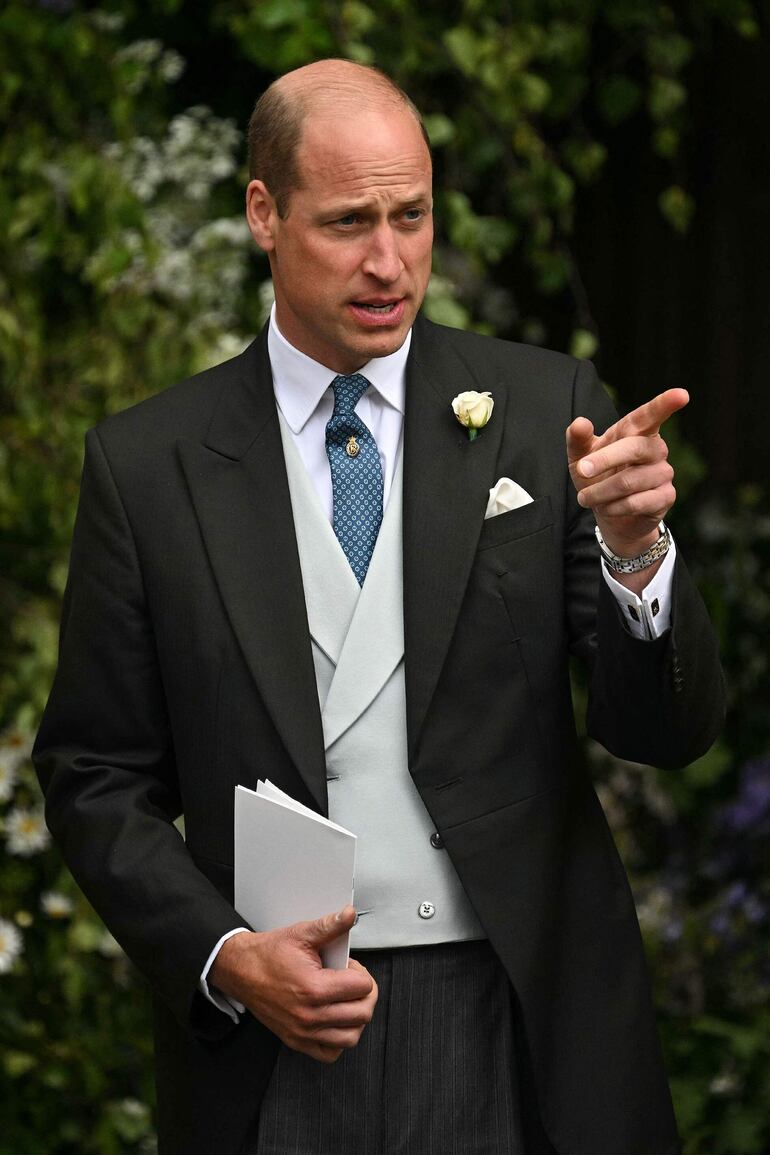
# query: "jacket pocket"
x,y
516,523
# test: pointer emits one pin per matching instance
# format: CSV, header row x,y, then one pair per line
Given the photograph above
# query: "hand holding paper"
x,y
292,867
279,977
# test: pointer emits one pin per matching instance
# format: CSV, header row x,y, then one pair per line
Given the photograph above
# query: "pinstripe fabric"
x,y
434,1073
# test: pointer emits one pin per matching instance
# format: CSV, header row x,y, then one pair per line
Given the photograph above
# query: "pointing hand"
x,y
624,475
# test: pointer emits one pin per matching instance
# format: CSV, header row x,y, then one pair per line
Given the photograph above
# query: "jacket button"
x,y
436,841
426,910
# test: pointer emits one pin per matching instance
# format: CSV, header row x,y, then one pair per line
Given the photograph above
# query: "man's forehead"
x,y
387,138
335,118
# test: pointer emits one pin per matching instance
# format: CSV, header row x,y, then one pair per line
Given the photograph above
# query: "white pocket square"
x,y
505,495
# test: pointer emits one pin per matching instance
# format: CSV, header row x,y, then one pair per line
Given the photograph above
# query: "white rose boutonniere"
x,y
473,410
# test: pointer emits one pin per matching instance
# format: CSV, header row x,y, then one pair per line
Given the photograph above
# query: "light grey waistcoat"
x,y
357,635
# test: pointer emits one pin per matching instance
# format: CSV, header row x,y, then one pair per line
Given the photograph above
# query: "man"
x,y
217,631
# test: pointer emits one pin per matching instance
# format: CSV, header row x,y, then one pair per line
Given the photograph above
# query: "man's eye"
x,y
348,219
413,214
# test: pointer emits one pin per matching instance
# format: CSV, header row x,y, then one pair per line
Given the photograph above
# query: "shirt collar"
x,y
300,382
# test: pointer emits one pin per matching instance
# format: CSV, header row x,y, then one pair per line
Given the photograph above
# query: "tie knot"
x,y
348,391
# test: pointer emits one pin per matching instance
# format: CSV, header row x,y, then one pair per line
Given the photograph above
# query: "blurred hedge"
x,y
125,265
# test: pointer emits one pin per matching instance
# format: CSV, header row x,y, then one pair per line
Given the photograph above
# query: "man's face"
x,y
352,258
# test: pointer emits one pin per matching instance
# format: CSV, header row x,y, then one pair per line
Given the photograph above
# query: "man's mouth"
x,y
387,307
379,314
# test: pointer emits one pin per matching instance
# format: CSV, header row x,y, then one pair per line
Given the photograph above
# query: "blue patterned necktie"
x,y
356,475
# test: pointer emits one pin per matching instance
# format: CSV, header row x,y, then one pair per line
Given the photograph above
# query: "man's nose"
x,y
383,259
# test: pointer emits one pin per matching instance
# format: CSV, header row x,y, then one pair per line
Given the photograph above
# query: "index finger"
x,y
648,418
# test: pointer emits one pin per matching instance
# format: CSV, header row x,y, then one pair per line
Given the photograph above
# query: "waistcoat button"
x,y
436,841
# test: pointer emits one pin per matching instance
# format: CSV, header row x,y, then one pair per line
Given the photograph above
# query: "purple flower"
x,y
736,894
752,805
720,924
672,930
737,906
754,910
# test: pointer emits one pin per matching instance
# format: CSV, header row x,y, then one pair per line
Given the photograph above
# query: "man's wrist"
x,y
636,582
208,984
634,557
224,970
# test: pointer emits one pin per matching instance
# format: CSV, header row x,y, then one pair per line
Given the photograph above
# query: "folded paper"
x,y
291,864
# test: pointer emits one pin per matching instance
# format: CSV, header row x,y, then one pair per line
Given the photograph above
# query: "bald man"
x,y
299,565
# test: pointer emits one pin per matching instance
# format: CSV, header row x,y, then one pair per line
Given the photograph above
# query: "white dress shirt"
x,y
305,398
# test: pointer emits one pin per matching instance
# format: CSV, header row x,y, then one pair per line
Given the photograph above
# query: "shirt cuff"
x,y
647,615
230,1006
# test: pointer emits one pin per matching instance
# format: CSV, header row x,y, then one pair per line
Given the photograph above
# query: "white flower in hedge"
x,y
56,905
15,747
10,945
7,777
133,1109
25,831
473,410
725,1084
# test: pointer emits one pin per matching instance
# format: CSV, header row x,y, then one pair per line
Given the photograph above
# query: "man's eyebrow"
x,y
343,208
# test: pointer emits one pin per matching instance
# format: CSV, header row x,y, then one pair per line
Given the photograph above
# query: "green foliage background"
x,y
125,265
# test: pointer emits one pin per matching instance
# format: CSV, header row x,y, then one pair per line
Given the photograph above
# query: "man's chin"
x,y
380,342
349,348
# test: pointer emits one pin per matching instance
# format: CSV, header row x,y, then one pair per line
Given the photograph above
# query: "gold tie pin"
x,y
352,448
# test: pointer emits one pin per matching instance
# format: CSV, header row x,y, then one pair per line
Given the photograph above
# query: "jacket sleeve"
x,y
661,701
106,764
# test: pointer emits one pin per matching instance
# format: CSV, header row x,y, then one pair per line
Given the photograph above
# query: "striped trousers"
x,y
433,1074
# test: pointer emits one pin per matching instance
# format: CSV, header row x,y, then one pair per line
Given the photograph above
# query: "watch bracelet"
x,y
642,561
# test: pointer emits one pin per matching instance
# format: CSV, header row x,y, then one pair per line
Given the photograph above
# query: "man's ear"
x,y
261,215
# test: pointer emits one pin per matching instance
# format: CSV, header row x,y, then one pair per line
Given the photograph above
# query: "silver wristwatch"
x,y
657,550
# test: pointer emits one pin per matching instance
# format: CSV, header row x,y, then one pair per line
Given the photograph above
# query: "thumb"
x,y
580,437
322,930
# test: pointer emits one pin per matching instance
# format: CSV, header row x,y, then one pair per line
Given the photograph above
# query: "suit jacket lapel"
x,y
446,482
238,483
